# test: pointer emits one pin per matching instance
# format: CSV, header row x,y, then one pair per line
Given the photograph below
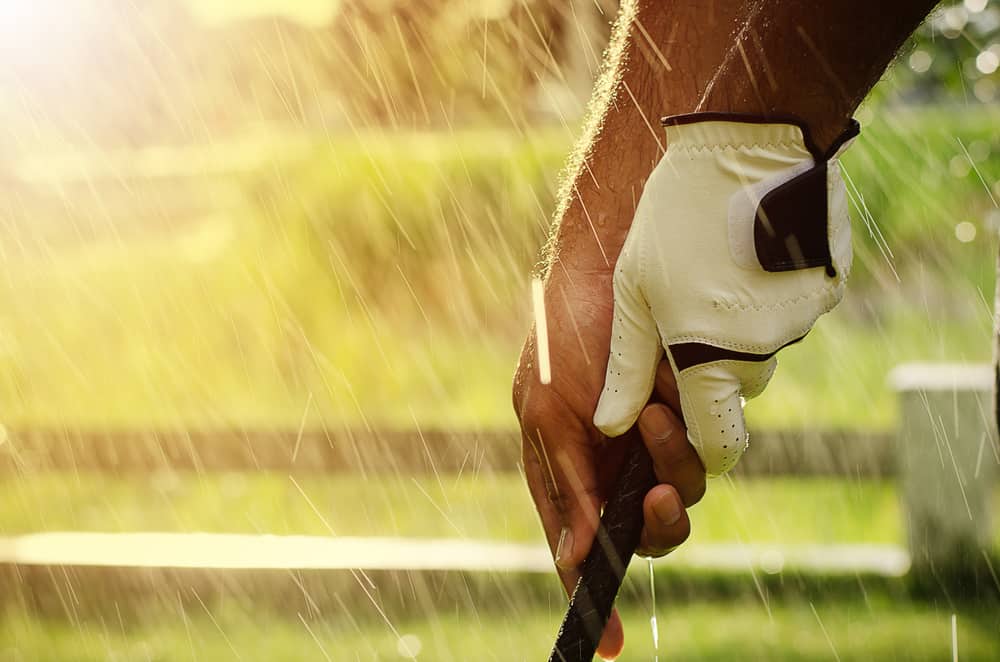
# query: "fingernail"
x,y
565,547
668,508
655,423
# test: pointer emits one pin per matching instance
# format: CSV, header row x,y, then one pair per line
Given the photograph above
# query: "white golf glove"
x,y
740,241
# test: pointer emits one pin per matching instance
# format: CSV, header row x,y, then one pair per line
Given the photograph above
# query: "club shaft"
x,y
604,569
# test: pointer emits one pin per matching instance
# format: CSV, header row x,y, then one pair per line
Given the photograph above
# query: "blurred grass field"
x,y
712,631
793,617
382,278
855,619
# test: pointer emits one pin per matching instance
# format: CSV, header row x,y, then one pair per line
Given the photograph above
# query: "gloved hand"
x,y
740,241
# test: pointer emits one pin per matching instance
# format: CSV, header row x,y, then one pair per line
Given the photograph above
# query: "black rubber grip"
x,y
604,568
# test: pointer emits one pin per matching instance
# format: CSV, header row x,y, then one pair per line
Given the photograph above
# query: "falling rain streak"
x,y
541,331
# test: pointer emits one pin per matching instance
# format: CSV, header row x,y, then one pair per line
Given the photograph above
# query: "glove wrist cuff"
x,y
719,130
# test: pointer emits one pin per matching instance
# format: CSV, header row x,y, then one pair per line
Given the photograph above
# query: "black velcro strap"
x,y
689,354
790,228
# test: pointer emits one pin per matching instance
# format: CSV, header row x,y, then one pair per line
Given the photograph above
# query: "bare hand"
x,y
569,465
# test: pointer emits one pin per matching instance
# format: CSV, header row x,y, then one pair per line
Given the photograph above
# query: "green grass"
x,y
487,506
744,630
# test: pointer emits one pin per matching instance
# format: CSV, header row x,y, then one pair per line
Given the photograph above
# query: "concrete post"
x,y
948,459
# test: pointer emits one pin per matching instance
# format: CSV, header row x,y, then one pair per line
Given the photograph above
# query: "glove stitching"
x,y
731,147
643,244
758,384
780,305
691,422
714,364
749,347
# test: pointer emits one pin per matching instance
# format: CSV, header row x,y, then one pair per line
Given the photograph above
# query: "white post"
x,y
948,458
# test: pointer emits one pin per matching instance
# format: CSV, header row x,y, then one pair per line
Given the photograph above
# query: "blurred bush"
x,y
449,223
122,74
953,57
925,186
125,74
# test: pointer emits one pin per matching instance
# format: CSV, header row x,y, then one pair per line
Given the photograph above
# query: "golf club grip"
x,y
604,568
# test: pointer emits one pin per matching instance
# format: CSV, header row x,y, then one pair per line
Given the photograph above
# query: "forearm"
x,y
814,60
662,56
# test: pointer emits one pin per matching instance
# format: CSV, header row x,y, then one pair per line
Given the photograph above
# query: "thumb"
x,y
712,397
635,353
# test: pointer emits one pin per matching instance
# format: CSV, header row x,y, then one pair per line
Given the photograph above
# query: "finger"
x,y
609,458
712,401
674,458
613,640
559,458
667,523
567,507
665,387
635,353
568,545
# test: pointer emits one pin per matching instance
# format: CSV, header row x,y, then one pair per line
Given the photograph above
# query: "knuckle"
x,y
529,454
537,471
531,409
572,502
533,455
678,463
554,487
673,450
559,500
521,389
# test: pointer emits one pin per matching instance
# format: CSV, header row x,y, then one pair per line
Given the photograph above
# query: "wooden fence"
x,y
945,456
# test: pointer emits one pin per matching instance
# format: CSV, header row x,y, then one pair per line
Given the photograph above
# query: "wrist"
x,y
587,245
824,118
590,231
